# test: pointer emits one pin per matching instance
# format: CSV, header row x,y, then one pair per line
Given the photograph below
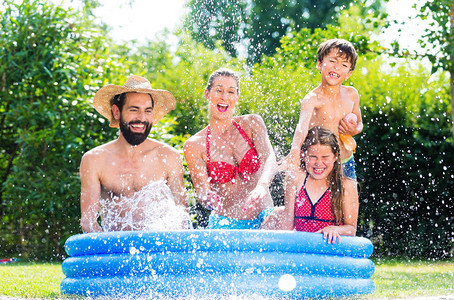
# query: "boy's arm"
x,y
307,109
346,127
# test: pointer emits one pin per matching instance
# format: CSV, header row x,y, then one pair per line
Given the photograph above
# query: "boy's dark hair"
x,y
343,46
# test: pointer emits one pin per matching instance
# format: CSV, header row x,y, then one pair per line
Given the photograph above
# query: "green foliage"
x,y
438,38
48,69
210,21
259,25
403,161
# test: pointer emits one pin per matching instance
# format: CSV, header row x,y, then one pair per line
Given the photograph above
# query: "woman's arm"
x,y
193,153
265,151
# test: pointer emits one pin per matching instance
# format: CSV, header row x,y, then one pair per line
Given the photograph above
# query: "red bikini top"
x,y
222,172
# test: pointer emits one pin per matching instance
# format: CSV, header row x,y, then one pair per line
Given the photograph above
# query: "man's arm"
x,y
90,193
175,175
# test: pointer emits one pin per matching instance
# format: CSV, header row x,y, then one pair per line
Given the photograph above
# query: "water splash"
x,y
151,208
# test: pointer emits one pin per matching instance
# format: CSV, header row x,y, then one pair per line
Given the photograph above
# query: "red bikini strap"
x,y
208,144
243,134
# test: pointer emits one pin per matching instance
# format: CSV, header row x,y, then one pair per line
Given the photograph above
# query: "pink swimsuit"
x,y
312,217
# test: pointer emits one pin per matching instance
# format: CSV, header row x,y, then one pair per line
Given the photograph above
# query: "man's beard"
x,y
134,138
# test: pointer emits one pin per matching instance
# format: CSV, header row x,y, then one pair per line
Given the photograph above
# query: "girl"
x,y
317,196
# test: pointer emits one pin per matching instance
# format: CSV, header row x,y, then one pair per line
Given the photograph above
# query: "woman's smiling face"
x,y
223,96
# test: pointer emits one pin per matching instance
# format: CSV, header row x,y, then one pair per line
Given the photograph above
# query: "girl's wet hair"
x,y
223,72
343,46
323,136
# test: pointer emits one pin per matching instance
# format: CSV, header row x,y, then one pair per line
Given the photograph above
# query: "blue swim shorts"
x,y
220,222
348,167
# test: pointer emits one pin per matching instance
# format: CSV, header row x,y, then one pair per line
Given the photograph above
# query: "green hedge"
x,y
54,59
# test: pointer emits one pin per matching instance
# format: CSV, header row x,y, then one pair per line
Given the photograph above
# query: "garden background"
x,y
54,58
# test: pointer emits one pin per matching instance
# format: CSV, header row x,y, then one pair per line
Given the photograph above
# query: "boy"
x,y
329,103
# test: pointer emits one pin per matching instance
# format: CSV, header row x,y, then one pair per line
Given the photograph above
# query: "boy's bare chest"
x,y
329,113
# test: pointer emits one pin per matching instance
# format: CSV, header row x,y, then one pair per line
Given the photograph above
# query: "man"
x,y
114,175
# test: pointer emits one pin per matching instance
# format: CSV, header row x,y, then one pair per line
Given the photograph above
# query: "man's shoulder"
x,y
160,147
100,151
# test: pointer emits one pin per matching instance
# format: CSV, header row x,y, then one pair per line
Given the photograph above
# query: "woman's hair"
x,y
322,136
223,72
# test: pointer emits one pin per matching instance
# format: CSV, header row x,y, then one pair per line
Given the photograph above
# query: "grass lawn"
x,y
31,280
397,278
394,278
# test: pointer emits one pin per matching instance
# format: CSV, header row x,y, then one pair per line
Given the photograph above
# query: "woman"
x,y
231,161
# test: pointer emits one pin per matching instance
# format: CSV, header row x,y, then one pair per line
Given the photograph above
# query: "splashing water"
x,y
151,208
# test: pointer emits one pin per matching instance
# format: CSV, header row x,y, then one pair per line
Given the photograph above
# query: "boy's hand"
x,y
291,161
347,125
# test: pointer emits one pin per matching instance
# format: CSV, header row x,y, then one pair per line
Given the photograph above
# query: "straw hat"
x,y
163,101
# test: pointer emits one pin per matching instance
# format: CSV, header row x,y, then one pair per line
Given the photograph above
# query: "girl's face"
x,y
223,97
319,161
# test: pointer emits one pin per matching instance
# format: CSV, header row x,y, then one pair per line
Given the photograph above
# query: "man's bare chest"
x,y
128,177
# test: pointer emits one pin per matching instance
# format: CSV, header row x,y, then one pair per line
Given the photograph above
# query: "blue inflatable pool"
x,y
216,263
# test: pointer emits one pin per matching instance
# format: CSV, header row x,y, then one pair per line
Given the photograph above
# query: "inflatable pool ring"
x,y
348,141
210,263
